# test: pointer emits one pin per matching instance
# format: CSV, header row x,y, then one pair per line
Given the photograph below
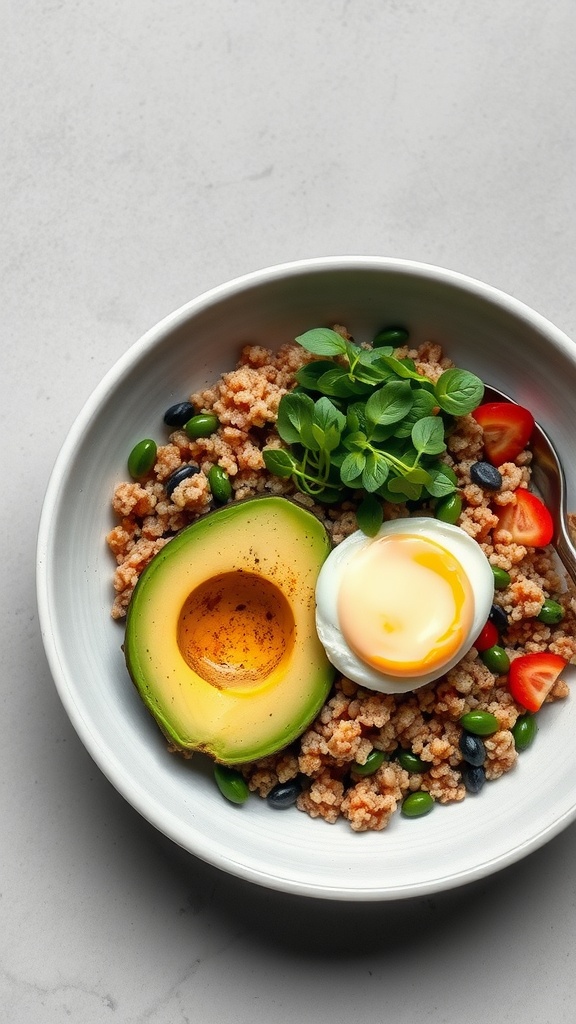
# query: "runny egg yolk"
x,y
405,605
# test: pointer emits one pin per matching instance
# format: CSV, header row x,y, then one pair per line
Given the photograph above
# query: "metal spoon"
x,y
549,479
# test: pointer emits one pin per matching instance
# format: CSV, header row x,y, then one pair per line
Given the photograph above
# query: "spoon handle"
x,y
566,551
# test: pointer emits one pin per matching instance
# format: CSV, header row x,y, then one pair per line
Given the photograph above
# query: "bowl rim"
x,y
104,757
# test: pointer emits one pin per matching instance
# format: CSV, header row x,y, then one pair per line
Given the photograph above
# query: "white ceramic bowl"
x,y
488,332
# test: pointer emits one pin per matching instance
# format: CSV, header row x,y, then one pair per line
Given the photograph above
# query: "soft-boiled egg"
x,y
397,610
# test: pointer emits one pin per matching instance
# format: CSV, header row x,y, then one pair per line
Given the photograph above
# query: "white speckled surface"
x,y
149,152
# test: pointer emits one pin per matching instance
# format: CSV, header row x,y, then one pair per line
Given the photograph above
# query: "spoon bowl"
x,y
549,480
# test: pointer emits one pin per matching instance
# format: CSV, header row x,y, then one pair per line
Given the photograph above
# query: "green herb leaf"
x,y
443,481
403,488
352,468
389,404
370,515
355,442
402,368
322,341
375,472
352,352
418,475
326,415
279,461
295,419
337,382
428,436
458,392
309,374
423,404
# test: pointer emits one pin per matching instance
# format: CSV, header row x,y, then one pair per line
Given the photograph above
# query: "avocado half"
x,y
221,640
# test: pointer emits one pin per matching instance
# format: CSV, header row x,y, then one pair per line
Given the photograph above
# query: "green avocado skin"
x,y
274,540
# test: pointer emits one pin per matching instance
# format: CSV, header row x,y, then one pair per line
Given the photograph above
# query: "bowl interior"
x,y
480,329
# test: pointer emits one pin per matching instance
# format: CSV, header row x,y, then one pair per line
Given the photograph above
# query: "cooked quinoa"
x,y
355,721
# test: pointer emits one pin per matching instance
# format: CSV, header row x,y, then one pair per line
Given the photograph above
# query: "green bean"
x,y
448,510
416,804
411,762
372,763
231,784
524,731
501,578
551,612
394,336
202,425
142,458
480,723
496,659
220,484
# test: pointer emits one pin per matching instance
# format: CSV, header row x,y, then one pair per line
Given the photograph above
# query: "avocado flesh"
x,y
221,640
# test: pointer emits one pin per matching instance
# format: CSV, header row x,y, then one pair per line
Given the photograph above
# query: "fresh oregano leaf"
x,y
428,436
279,461
370,515
375,472
423,405
389,404
406,372
322,341
295,414
398,485
337,383
308,375
458,392
352,467
443,481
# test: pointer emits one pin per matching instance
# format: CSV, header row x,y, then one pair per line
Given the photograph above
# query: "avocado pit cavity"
x,y
235,629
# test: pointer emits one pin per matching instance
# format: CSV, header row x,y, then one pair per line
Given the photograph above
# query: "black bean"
x,y
182,473
473,749
284,794
179,414
499,618
473,777
486,475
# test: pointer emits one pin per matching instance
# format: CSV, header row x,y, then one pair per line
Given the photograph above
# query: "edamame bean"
x,y
551,612
393,336
480,723
142,458
524,731
231,784
416,804
501,578
202,425
220,484
496,659
411,762
372,763
448,510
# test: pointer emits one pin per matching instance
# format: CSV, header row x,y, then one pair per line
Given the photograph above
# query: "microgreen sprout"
x,y
363,420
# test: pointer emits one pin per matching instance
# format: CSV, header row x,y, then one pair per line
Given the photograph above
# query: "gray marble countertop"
x,y
150,151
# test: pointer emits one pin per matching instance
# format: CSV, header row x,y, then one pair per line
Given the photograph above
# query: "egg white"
x,y
466,551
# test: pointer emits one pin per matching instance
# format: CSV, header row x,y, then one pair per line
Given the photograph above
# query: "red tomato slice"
x,y
528,520
532,676
507,429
